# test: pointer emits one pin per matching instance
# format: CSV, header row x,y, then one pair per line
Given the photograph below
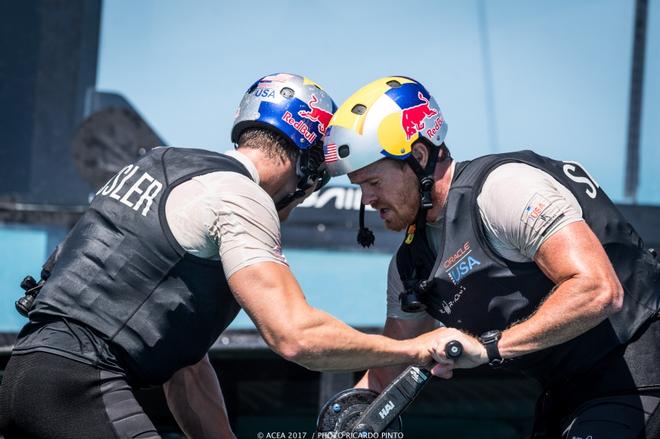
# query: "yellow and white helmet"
x,y
382,120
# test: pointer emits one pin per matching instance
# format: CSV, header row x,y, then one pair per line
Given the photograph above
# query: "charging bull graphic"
x,y
412,118
317,114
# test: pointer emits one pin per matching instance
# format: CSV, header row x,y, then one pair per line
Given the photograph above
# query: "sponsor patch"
x,y
539,213
460,263
448,305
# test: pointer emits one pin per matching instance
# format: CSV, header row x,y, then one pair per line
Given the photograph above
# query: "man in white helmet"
x,y
524,257
169,251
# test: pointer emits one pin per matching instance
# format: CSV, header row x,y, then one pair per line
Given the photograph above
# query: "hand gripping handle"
x,y
399,394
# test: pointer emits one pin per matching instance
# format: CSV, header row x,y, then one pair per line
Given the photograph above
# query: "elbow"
x,y
294,349
290,350
291,341
610,298
303,353
616,302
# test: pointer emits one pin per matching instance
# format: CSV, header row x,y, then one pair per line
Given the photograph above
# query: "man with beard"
x,y
524,257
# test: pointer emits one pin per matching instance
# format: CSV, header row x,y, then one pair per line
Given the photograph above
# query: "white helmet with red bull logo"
x,y
382,120
293,105
300,110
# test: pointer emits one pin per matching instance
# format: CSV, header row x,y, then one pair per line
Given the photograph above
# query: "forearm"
x,y
324,343
195,399
272,298
573,308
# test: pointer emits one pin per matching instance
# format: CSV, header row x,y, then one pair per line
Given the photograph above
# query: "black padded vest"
x,y
122,273
473,289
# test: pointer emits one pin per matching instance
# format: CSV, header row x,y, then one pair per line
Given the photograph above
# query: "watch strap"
x,y
490,340
494,357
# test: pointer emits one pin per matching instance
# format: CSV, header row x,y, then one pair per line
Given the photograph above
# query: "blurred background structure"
x,y
87,86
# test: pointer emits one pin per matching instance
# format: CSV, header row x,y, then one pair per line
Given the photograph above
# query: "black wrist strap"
x,y
493,352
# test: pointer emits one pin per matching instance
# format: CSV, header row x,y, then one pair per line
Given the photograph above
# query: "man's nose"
x,y
368,196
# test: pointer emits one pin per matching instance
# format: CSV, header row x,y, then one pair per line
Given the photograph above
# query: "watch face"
x,y
490,336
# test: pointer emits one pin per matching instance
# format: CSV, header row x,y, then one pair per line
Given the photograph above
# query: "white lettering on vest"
x,y
135,188
147,195
570,167
132,172
110,185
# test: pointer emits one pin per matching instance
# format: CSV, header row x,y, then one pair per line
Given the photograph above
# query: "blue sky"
x,y
508,74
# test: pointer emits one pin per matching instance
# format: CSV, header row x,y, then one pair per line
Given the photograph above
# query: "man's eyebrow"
x,y
359,179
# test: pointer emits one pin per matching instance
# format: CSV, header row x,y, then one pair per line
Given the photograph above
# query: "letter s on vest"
x,y
570,168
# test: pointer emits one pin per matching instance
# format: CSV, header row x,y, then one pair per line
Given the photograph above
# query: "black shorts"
x,y
614,417
48,396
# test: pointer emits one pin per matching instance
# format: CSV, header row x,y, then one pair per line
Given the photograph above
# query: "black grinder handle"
x,y
399,394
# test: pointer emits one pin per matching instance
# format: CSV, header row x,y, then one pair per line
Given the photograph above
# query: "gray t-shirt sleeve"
x,y
394,288
228,216
521,207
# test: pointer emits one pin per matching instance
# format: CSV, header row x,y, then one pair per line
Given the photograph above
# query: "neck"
x,y
443,174
276,176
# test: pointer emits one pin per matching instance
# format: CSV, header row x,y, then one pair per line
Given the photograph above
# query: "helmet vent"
x,y
287,92
359,109
343,151
394,83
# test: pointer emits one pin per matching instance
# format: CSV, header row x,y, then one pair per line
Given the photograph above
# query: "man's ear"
x,y
421,153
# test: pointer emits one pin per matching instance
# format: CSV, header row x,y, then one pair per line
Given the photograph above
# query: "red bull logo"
x,y
436,126
300,126
316,114
412,118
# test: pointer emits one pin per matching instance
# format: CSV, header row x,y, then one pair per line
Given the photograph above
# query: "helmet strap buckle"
x,y
426,186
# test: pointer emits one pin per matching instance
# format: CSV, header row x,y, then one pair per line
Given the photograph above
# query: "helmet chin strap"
x,y
310,170
289,198
304,183
424,175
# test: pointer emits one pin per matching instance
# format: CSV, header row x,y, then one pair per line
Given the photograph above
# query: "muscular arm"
x,y
194,397
587,292
378,378
562,245
290,326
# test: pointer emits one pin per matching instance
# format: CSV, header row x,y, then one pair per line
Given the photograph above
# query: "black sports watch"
x,y
490,339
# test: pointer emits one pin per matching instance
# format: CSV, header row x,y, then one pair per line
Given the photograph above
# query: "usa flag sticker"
x,y
331,153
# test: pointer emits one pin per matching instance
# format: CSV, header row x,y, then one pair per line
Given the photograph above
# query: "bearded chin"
x,y
395,225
